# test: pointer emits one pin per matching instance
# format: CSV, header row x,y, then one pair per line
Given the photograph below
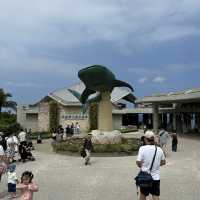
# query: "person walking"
x,y
163,138
88,148
174,141
147,155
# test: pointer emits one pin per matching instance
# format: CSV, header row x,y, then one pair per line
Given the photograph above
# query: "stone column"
x,y
145,120
164,120
174,116
155,118
105,121
197,121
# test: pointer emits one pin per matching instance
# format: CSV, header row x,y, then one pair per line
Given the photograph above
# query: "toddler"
x,y
26,186
12,181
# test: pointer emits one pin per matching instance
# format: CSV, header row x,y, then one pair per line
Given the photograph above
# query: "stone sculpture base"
x,y
106,137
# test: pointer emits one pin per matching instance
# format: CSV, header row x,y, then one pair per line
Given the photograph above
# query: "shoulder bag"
x,y
144,179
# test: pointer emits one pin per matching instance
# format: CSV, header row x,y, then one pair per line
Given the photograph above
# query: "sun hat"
x,y
149,134
12,167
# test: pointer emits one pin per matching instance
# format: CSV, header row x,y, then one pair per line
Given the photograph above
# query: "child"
x,y
26,186
12,181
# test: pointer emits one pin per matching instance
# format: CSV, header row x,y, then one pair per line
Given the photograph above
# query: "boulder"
x,y
106,137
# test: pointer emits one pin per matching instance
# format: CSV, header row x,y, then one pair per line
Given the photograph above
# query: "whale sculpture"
x,y
99,79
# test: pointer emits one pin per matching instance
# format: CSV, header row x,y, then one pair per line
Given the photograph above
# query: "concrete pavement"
x,y
62,177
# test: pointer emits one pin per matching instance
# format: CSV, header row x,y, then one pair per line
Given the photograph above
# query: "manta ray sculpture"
x,y
98,79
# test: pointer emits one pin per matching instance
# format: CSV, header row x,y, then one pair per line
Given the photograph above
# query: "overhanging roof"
x,y
65,97
192,95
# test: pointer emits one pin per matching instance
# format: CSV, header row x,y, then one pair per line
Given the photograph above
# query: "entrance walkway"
x,y
63,177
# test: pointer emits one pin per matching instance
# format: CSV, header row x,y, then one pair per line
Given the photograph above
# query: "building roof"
x,y
192,95
65,97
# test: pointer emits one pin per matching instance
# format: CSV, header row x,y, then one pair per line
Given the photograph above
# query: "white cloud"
x,y
143,80
159,79
23,84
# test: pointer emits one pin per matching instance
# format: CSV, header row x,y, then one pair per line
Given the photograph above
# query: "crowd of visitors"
x,y
17,147
61,133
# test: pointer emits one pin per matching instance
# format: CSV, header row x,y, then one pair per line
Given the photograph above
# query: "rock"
x,y
106,137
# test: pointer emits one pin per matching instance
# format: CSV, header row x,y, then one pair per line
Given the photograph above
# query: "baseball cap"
x,y
149,134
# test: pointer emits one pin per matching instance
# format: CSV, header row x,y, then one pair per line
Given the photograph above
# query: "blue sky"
x,y
153,45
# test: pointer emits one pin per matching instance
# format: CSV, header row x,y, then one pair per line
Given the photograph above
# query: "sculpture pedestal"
x,y
106,137
105,121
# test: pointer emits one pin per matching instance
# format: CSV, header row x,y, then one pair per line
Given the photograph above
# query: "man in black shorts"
x,y
144,160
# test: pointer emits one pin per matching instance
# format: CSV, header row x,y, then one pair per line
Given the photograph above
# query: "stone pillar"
x,y
197,121
164,118
146,120
155,118
135,120
105,121
174,116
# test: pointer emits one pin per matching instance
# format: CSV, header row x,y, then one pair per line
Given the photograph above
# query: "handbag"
x,y
144,179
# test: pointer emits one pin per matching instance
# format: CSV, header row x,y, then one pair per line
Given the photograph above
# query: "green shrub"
x,y
53,115
44,135
8,124
93,113
128,129
128,146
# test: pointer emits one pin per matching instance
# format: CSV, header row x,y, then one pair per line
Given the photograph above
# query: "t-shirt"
x,y
146,154
10,141
22,136
163,136
12,177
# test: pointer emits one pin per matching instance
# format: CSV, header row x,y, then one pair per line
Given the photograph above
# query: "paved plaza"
x,y
62,177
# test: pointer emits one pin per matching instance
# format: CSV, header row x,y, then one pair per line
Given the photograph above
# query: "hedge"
x,y
128,146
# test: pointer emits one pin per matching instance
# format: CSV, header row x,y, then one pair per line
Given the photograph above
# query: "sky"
x,y
153,45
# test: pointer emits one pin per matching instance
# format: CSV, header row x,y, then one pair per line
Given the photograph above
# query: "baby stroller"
x,y
25,152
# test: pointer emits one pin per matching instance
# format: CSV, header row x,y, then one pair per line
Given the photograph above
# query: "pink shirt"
x,y
27,191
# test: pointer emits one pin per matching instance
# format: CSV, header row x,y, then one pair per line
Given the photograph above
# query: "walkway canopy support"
x,y
155,118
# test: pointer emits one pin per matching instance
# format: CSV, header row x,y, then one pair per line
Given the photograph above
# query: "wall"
x,y
72,114
43,117
117,121
31,121
27,117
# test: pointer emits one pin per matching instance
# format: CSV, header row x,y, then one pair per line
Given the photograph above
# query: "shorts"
x,y
154,190
11,187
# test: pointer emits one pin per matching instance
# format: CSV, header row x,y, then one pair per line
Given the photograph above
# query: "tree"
x,y
53,115
4,102
93,112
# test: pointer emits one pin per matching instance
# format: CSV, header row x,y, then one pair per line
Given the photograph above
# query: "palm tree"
x,y
4,102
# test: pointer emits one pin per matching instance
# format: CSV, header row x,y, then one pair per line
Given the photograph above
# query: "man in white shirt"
x,y
144,160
